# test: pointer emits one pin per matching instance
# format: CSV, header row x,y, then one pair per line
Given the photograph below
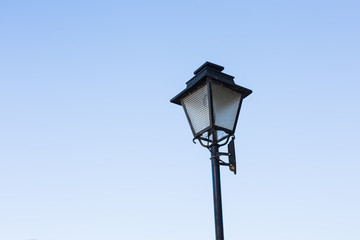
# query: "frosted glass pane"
x,y
226,103
197,107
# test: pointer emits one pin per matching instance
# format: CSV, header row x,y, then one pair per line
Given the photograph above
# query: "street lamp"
x,y
212,102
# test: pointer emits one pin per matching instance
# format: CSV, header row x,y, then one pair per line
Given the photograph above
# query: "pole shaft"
x,y
219,228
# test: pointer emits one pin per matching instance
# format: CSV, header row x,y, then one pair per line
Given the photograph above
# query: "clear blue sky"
x,y
91,148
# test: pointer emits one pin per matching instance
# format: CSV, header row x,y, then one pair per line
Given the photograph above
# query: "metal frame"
x,y
209,81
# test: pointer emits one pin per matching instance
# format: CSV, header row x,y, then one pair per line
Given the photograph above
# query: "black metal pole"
x,y
219,228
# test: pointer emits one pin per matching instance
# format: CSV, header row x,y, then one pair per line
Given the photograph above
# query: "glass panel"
x,y
226,104
197,107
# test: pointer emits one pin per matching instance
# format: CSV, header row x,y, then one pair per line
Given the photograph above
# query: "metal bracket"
x,y
231,154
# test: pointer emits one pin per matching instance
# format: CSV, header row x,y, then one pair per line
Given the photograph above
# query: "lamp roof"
x,y
213,71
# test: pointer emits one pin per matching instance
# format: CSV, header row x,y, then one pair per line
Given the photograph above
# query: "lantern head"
x,y
212,102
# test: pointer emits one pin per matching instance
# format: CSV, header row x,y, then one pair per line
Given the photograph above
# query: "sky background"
x,y
91,148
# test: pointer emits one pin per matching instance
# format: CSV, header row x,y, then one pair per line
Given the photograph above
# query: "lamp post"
x,y
212,102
